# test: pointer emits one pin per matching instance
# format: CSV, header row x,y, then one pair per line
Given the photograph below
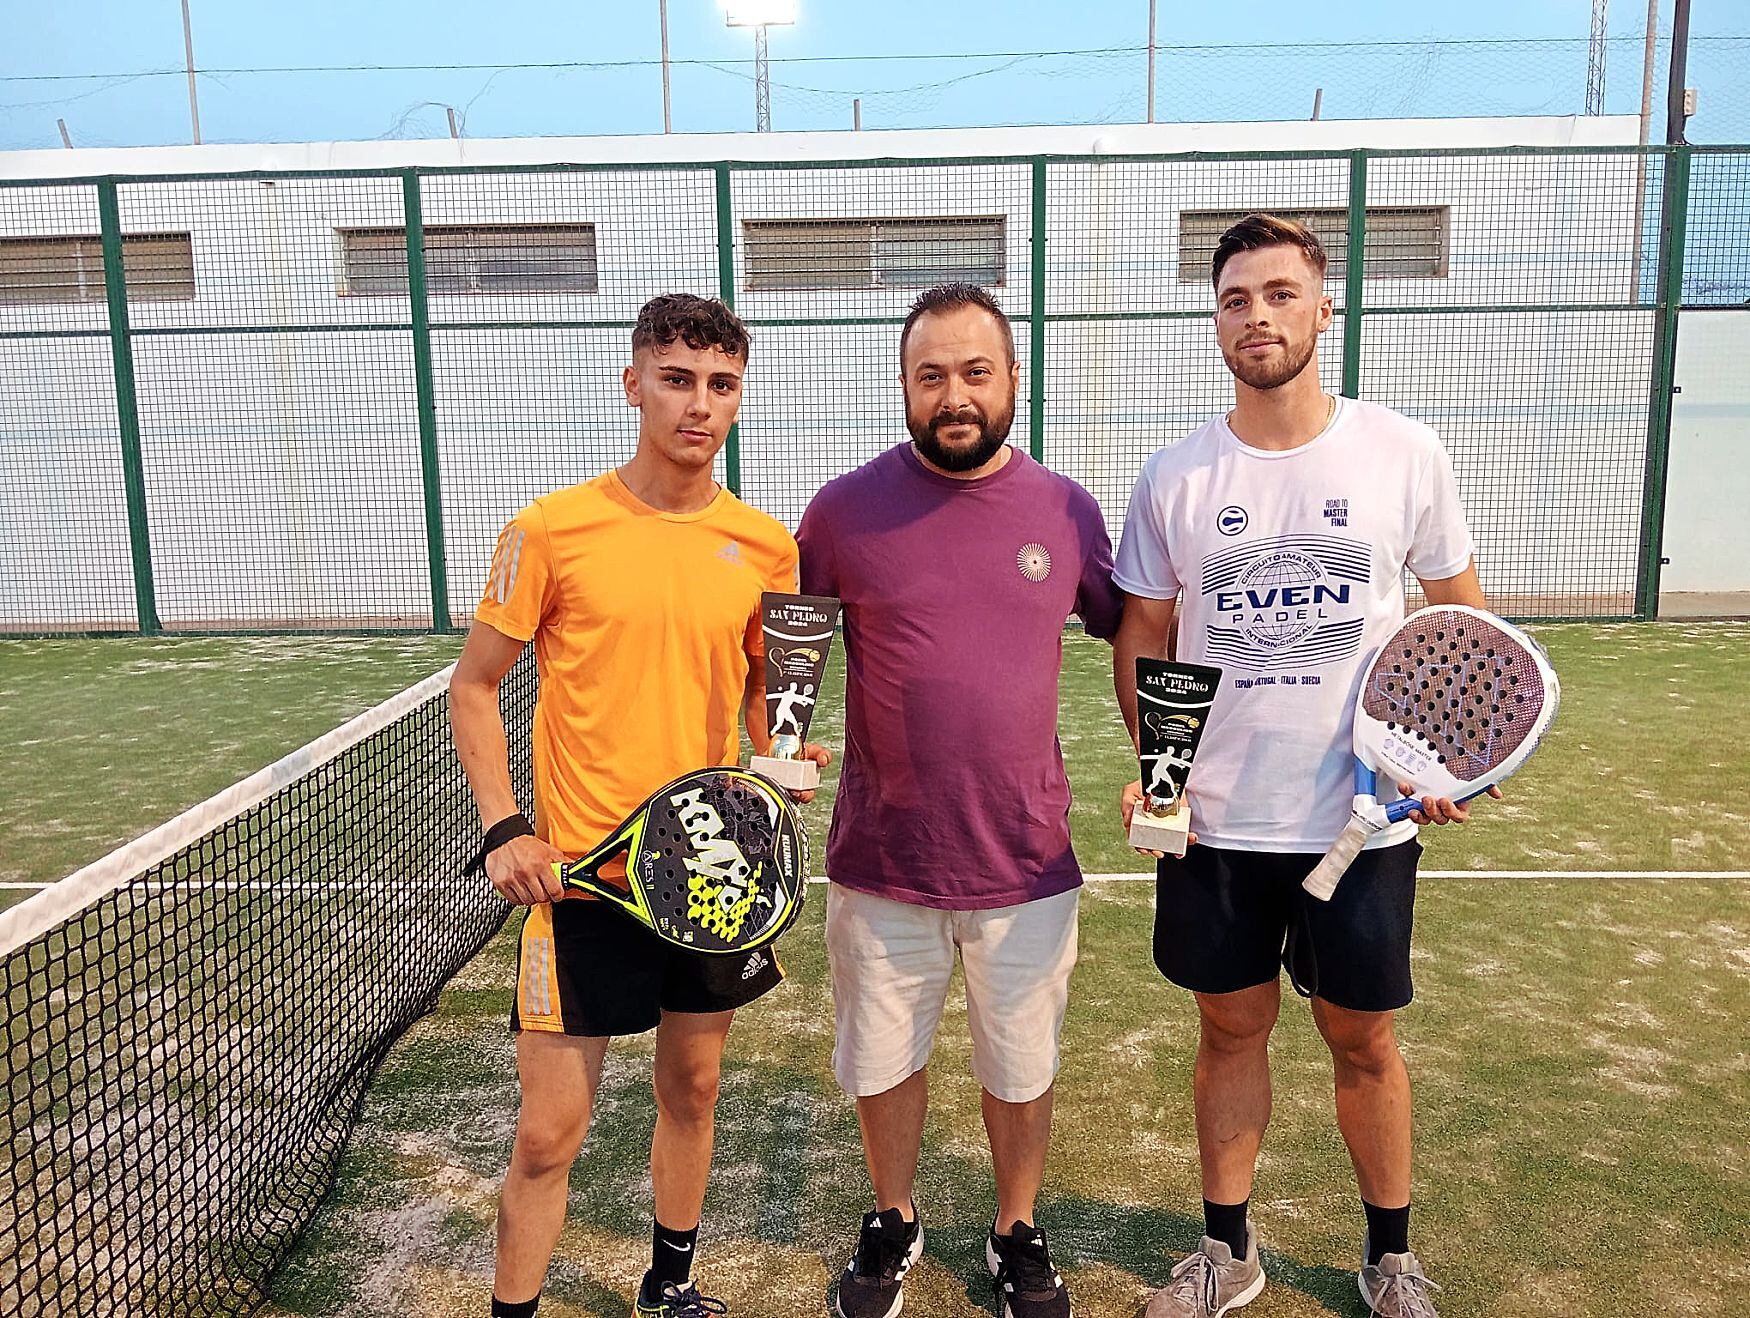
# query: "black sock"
x,y
526,1309
671,1256
1388,1230
1227,1223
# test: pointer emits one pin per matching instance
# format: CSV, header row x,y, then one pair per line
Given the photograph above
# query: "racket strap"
x,y
511,826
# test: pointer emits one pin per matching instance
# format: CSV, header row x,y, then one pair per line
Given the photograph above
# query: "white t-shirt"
x,y
1290,567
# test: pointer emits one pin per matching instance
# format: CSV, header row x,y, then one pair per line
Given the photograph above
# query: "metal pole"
x,y
413,213
1648,58
667,122
194,108
66,140
1036,316
857,114
1318,102
1675,115
762,83
726,294
1673,223
1151,61
1354,273
1596,52
127,406
450,112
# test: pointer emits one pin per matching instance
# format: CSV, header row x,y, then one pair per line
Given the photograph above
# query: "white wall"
x,y
1707,502
282,469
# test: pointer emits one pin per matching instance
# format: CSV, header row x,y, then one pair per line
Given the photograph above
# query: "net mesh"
x,y
184,1058
304,424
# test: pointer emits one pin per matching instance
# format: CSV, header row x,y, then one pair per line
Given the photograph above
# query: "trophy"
x,y
1172,708
798,633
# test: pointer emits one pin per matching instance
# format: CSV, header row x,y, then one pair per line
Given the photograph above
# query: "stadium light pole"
x,y
1597,50
759,15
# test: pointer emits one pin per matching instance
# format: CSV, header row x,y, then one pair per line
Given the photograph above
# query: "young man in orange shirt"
x,y
640,590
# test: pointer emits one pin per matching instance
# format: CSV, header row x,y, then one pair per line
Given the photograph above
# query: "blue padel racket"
x,y
716,862
1452,704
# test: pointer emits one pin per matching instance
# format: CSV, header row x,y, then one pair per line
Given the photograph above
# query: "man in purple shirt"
x,y
958,559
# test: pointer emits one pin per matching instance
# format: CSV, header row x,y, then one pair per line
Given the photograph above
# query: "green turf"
x,y
1583,1081
109,738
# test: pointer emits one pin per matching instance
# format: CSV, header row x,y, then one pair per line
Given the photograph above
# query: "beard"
x,y
967,455
1272,374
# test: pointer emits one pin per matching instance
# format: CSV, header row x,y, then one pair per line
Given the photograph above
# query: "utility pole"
x,y
667,122
1595,56
856,114
1676,93
194,108
66,138
1151,61
1649,58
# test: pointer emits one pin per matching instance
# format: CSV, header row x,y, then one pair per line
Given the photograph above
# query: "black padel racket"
x,y
716,862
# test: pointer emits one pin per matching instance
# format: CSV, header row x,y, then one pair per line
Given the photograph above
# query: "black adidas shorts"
x,y
1228,920
585,969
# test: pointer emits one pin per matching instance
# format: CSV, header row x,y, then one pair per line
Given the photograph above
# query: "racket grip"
x,y
1322,882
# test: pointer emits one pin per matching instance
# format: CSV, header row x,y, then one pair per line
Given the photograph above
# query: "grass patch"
x,y
1578,1050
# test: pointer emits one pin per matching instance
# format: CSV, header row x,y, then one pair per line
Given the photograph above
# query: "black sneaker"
x,y
873,1282
1027,1285
671,1301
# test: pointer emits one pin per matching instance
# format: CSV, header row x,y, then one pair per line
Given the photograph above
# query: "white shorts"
x,y
891,962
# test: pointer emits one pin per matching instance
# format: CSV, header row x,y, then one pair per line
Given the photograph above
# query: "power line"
x,y
1261,48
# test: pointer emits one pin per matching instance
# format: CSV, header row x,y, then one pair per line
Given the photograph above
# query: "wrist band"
x,y
512,826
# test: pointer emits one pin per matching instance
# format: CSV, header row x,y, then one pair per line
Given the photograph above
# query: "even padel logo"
x,y
1231,520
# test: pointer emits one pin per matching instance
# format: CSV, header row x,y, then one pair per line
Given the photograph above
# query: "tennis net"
x,y
191,1023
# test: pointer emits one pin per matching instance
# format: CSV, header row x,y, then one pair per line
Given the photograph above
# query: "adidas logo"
x,y
755,963
730,553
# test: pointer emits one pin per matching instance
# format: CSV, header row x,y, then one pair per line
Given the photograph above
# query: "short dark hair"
x,y
1261,229
699,322
951,297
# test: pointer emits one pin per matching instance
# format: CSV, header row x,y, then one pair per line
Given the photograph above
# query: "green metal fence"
x,y
308,400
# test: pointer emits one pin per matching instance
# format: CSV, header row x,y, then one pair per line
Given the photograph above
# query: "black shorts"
x,y
585,969
1228,920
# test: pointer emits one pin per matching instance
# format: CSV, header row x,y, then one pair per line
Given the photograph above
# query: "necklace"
x,y
1330,416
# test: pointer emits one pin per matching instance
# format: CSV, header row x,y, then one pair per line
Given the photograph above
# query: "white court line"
x,y
1484,874
1089,878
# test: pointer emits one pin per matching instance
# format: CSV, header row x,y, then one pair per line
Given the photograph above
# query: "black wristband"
x,y
512,826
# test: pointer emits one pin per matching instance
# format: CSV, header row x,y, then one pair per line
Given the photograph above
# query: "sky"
x,y
1518,57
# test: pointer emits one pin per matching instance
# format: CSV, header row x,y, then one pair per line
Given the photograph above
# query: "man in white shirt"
x,y
1279,533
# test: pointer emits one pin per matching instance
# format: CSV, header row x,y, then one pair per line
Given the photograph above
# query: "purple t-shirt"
x,y
955,594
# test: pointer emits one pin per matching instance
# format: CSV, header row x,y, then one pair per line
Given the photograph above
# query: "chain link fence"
x,y
308,401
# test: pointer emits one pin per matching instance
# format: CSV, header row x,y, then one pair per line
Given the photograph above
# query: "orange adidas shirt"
x,y
645,624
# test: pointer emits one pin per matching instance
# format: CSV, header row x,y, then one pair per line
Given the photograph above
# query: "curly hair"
x,y
699,322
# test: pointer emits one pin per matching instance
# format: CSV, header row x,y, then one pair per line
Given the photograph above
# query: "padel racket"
x,y
716,862
1452,704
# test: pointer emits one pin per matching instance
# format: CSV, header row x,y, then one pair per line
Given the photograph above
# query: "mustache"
x,y
966,416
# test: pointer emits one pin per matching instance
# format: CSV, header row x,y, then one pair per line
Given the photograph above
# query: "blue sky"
x,y
1505,72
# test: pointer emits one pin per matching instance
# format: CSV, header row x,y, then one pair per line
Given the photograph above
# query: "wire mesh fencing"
x,y
309,400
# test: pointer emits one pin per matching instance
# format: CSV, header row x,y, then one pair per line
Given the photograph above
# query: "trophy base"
x,y
791,775
1167,833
